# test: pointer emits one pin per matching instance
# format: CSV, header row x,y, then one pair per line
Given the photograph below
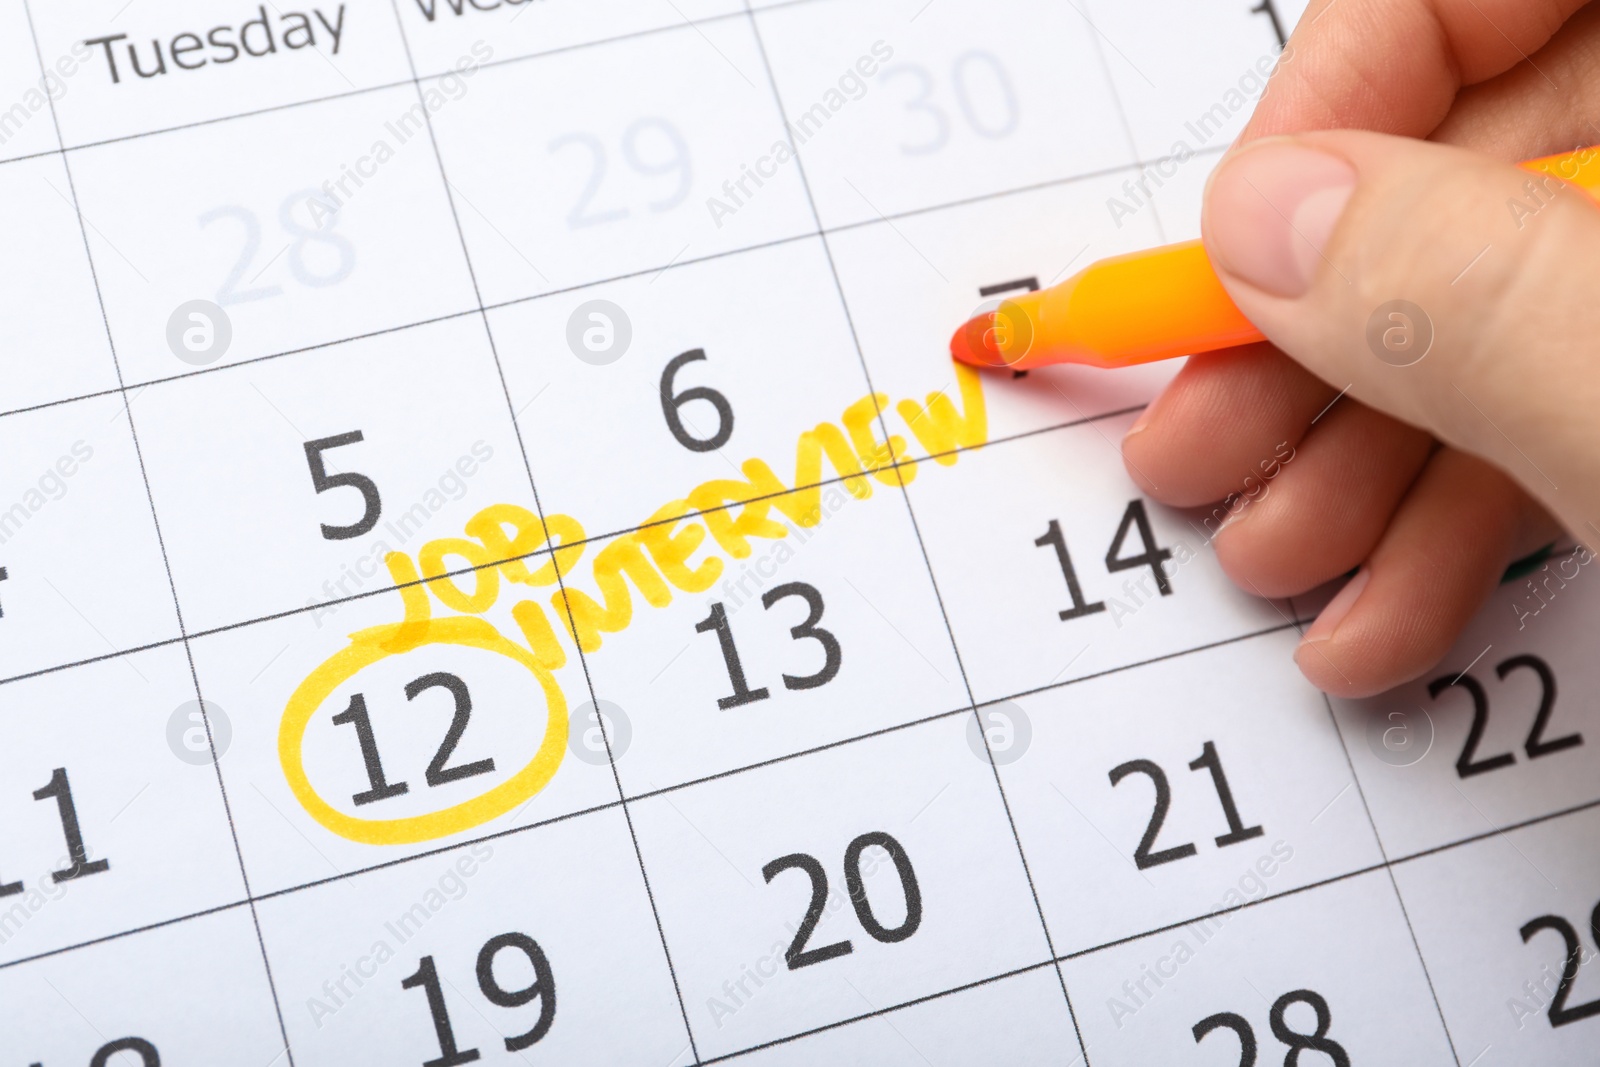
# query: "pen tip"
x,y
976,342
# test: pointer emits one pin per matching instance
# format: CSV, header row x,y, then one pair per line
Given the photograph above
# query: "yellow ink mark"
x,y
588,618
671,551
730,528
528,535
941,429
878,457
485,579
655,558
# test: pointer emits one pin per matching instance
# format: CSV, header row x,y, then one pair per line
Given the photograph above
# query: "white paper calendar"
x,y
496,565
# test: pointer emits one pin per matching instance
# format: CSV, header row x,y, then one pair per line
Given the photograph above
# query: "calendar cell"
x,y
108,827
440,32
53,335
298,233
1507,927
911,283
1332,975
693,372
613,183
533,947
1079,574
1022,1020
81,572
1505,729
830,632
284,485
190,61
1139,808
903,106
355,744
881,871
1180,99
136,999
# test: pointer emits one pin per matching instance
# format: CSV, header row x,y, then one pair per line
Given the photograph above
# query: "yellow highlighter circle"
x,y
378,643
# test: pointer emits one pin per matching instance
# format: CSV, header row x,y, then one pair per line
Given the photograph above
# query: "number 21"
x,y
1208,760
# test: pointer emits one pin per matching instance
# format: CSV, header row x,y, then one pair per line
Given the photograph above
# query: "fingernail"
x,y
1270,210
1337,609
1140,423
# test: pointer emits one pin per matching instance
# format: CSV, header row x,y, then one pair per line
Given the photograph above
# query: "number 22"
x,y
1467,764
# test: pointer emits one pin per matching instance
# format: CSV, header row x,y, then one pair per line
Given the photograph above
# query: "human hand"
x,y
1429,477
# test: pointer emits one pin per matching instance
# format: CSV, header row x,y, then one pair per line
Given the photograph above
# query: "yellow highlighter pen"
x,y
1147,306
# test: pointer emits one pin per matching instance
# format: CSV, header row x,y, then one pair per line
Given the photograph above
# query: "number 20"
x,y
798,955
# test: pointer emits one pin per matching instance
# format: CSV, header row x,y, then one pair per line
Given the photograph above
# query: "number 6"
x,y
672,404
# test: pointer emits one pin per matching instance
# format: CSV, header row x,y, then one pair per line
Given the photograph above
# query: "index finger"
x,y
1395,66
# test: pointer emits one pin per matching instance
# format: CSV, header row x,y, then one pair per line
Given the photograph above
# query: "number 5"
x,y
325,481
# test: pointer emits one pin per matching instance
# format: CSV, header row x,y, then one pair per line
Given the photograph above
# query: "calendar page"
x,y
497,565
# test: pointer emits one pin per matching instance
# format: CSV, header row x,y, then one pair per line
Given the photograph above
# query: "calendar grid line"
x,y
588,681
788,757
1091,950
1387,864
452,316
1116,99
44,154
547,551
993,107
1015,190
510,831
736,771
144,476
60,950
878,1013
966,682
1394,884
511,413
1496,831
1167,928
872,391
654,269
345,94
397,84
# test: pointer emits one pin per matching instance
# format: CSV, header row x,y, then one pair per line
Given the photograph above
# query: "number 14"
x,y
1153,556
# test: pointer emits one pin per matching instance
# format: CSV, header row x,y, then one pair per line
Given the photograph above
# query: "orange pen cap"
x,y
1147,306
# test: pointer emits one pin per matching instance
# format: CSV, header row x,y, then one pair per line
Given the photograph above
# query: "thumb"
x,y
1453,292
